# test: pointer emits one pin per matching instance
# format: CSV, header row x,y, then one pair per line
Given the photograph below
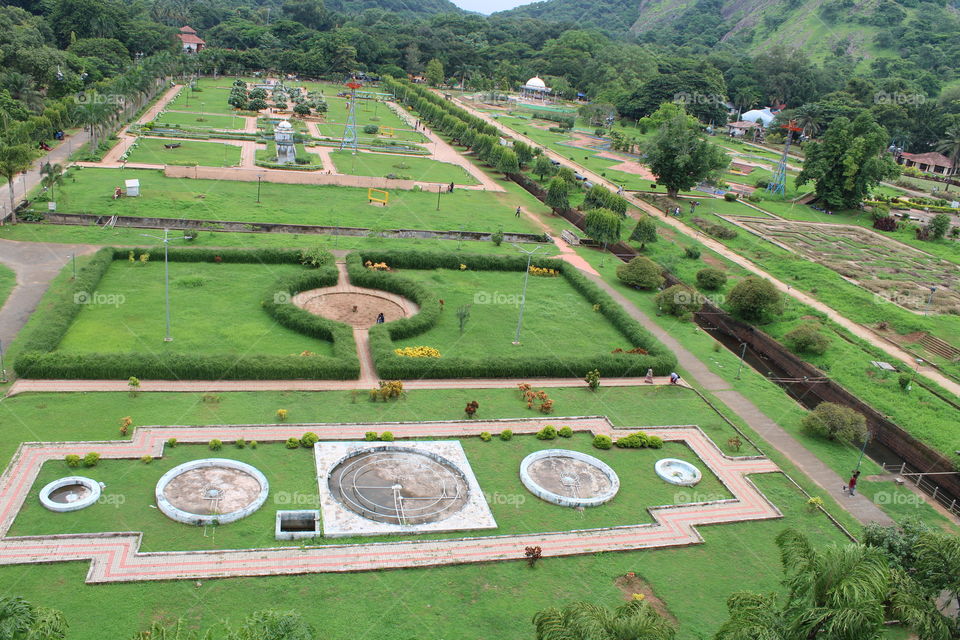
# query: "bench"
x,y
174,145
570,238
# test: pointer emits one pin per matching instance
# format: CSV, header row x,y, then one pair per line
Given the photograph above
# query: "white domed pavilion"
x,y
535,89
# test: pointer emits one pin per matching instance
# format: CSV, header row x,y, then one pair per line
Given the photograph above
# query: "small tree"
x,y
640,272
434,72
301,109
807,339
939,226
835,422
14,159
463,315
711,278
754,298
645,231
593,380
543,167
603,226
557,196
678,300
508,162
524,152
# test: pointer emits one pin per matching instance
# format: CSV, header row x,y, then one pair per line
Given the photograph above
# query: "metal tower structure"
x,y
349,139
779,183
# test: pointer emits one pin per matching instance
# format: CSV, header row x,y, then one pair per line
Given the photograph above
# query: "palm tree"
x,y
52,176
19,619
950,146
808,120
14,159
840,591
635,620
22,87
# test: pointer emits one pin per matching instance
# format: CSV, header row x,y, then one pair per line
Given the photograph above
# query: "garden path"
x,y
35,264
858,330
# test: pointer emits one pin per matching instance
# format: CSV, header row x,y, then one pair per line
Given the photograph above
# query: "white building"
x,y
535,89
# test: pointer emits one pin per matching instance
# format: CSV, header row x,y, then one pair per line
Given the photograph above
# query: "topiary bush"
x,y
835,422
549,432
73,460
485,436
641,272
91,459
655,442
565,432
293,443
636,440
309,439
506,434
215,444
602,441
386,436
370,436
678,300
711,279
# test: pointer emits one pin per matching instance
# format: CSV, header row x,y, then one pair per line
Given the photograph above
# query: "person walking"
x,y
852,484
518,212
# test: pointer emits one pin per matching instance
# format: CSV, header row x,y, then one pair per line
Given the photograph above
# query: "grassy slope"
x,y
8,279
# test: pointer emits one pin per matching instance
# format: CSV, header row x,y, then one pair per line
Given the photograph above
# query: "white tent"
x,y
764,116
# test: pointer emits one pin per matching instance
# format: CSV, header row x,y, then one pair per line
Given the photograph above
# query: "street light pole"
x,y
258,189
866,439
523,296
743,352
166,275
3,370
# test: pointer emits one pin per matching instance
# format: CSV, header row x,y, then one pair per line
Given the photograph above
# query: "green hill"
x,y
408,7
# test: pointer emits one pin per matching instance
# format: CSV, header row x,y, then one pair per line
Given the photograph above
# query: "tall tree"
x,y
949,145
645,231
557,196
603,226
848,161
14,160
434,72
680,157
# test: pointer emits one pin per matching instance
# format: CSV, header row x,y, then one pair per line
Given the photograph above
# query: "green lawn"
x,y
195,120
8,279
220,316
189,153
292,473
404,167
90,190
557,319
492,601
212,98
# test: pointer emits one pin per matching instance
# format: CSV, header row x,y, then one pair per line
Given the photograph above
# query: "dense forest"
x,y
53,49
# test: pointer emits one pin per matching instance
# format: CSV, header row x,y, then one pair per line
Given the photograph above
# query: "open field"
x,y
90,191
210,313
197,120
557,319
404,167
189,153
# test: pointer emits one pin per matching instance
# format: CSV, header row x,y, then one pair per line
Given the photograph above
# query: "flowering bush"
x,y
376,266
281,414
544,272
418,352
463,267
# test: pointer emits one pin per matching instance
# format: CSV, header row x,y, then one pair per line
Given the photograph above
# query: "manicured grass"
x,y
189,153
405,167
212,97
220,316
90,191
8,280
491,601
557,319
335,130
118,236
195,119
291,474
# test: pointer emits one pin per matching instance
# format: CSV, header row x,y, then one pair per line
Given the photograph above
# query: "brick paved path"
x,y
114,556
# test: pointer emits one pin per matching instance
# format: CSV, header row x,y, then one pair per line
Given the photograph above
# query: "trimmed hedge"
x,y
391,366
39,358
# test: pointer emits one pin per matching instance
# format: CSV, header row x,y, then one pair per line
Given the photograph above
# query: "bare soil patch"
x,y
631,583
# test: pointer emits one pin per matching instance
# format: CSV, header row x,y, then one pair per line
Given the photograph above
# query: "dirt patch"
x,y
355,309
628,166
713,261
631,583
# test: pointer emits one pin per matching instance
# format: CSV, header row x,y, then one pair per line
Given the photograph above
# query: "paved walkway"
x,y
115,556
859,506
35,264
31,178
715,245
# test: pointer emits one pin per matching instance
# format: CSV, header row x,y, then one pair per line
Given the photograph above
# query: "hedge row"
x,y
39,359
382,337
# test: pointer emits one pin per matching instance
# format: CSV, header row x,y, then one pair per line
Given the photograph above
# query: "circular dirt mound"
x,y
569,478
399,486
215,489
355,309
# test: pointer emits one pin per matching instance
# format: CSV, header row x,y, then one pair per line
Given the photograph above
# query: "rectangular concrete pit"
x,y
297,525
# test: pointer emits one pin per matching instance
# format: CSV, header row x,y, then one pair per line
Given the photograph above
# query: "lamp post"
x,y
166,275
743,353
866,439
933,290
523,296
3,370
258,189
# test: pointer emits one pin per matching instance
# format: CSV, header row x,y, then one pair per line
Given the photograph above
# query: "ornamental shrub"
x,y
309,439
293,443
549,432
370,436
835,422
754,298
565,432
485,436
386,436
655,442
147,459
215,444
506,434
711,278
640,272
807,339
91,459
602,442
73,461
636,440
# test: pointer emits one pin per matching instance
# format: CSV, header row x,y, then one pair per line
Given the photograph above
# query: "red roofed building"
x,y
192,43
931,162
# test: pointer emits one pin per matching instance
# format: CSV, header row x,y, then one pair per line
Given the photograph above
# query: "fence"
x,y
949,503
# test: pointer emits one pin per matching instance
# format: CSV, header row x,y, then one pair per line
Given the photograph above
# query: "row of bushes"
x,y
389,365
39,358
